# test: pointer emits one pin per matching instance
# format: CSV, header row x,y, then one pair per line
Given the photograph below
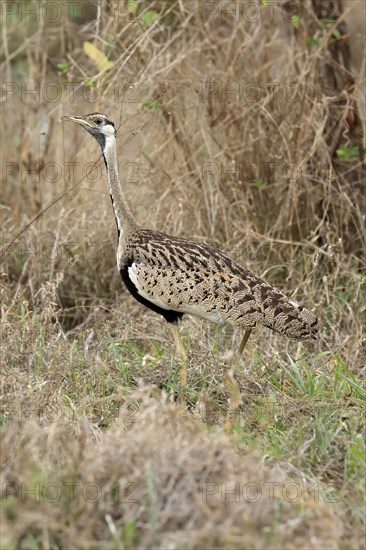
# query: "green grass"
x,y
90,392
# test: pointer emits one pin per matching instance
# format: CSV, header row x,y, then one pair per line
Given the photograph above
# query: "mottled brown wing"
x,y
184,276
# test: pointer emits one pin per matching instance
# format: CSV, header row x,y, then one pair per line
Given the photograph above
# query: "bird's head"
x,y
98,125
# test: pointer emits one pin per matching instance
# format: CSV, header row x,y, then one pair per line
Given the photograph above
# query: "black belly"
x,y
169,315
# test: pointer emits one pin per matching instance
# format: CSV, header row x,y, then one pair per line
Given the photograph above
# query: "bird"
x,y
174,276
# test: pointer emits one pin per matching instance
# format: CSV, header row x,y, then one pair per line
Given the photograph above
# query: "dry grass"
x,y
212,145
182,488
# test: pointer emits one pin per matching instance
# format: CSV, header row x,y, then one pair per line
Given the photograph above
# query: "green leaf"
x,y
148,17
258,184
326,21
132,7
296,22
89,83
323,23
347,153
312,42
63,66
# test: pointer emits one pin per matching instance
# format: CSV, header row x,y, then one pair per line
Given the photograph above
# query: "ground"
x,y
246,133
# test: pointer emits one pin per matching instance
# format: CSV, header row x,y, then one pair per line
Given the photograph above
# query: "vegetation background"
x,y
241,124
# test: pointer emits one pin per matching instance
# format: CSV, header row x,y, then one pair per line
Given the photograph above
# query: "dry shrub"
x,y
233,140
172,477
231,146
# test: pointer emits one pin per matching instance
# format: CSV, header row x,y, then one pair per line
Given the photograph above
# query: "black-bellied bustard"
x,y
173,276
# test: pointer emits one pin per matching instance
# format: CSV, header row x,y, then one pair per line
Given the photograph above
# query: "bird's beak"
x,y
78,119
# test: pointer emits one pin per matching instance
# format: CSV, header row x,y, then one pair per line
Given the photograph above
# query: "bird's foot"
x,y
182,385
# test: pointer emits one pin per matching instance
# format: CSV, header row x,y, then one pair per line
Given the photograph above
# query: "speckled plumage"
x,y
173,276
180,276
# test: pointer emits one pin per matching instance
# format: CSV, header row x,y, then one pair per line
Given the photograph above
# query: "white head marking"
x,y
108,130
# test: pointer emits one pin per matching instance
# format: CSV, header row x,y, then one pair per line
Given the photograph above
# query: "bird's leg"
x,y
230,382
239,353
183,354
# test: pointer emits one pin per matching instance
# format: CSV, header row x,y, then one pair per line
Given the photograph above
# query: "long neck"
x,y
122,212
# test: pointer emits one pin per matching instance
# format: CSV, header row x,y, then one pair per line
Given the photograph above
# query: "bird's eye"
x,y
98,121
